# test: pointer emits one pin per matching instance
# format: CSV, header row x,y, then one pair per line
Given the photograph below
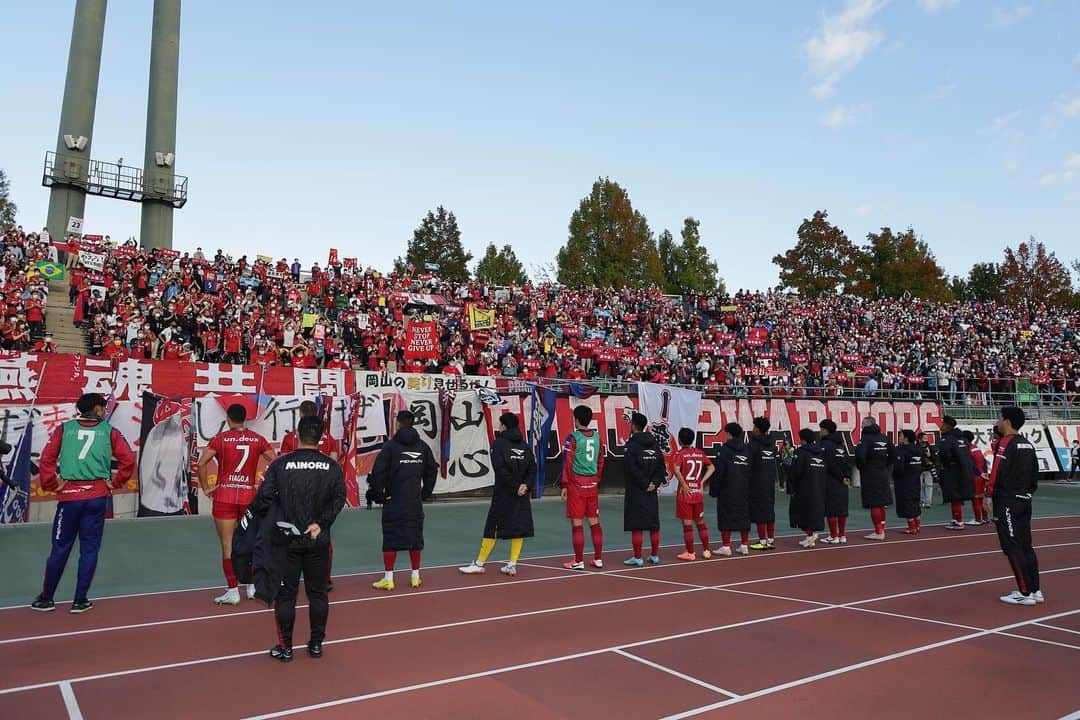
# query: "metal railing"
x,y
112,180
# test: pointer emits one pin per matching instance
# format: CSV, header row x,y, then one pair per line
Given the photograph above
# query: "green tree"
x,y
610,244
436,246
891,265
822,261
7,207
500,267
1031,273
687,266
982,284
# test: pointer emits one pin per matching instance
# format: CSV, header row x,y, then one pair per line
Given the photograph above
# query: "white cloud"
x,y
1070,168
837,117
942,91
1073,162
1003,121
935,6
1072,107
1049,179
1010,16
842,43
864,210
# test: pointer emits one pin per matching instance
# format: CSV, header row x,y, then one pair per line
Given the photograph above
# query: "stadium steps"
x,y
68,338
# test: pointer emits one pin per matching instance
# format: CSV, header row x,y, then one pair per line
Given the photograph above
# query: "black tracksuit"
x,y
1015,478
302,488
403,477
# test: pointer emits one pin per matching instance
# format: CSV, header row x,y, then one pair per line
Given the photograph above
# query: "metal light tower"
x,y
72,174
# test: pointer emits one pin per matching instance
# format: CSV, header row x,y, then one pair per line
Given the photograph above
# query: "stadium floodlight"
x,y
164,159
74,142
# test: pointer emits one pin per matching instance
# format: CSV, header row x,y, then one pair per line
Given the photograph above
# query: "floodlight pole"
x,y
158,174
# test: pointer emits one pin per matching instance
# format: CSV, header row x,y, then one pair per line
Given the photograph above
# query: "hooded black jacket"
x,y
510,515
874,456
764,473
403,477
731,485
838,468
643,464
806,485
957,469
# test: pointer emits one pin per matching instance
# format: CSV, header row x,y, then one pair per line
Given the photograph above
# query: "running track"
x,y
865,630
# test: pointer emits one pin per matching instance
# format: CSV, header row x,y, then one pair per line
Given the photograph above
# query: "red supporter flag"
x,y
421,341
333,259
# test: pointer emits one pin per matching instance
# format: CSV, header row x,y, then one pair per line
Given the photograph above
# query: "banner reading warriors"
x,y
421,341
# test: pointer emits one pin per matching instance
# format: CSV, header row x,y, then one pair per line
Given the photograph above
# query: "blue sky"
x,y
305,126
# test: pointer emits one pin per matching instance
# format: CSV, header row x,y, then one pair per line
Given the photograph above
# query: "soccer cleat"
x,y
1018,598
383,584
42,605
597,563
509,569
281,654
81,606
954,525
843,539
330,586
743,550
472,568
772,543
415,582
689,556
875,536
574,564
724,550
654,559
635,561
250,591
1038,596
830,541
760,545
707,554
809,541
231,597
314,649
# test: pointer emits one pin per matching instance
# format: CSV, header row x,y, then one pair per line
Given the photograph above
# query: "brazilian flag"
x,y
49,270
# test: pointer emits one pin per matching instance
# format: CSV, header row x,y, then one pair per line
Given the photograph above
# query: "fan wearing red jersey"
x,y
692,469
327,446
237,452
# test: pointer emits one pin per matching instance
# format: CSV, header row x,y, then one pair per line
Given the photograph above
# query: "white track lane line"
x,y
374,573
1058,628
72,705
676,673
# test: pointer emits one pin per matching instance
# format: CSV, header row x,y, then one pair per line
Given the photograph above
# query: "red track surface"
x,y
870,629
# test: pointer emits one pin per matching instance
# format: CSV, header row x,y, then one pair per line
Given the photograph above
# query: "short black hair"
x,y
405,418
583,414
762,424
827,425
686,437
948,420
734,430
308,408
1014,415
237,413
309,430
89,401
909,434
509,421
968,436
807,435
638,421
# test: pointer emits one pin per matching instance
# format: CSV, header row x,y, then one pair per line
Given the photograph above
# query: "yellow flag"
x,y
481,319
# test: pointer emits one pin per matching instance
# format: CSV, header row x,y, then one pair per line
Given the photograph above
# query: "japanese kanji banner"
x,y
1039,436
466,452
1062,438
421,341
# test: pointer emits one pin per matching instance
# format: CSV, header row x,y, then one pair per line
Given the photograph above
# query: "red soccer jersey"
x,y
237,453
327,445
692,464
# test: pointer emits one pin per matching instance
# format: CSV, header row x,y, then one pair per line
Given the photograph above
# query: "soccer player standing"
x,y
980,474
77,463
646,472
1013,481
237,451
838,466
692,470
957,473
583,466
731,488
764,475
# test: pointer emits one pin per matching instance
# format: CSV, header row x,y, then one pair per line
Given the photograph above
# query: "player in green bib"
x,y
583,465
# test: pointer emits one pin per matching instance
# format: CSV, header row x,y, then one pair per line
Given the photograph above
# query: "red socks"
x,y
636,540
977,508
834,527
841,523
577,538
725,538
913,525
688,537
654,541
230,572
772,530
389,557
958,510
597,541
762,532
703,533
877,515
744,537
414,559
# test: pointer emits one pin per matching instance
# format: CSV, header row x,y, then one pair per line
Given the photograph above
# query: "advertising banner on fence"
x,y
1062,438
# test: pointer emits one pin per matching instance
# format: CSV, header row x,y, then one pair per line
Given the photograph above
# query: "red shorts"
x,y
980,486
228,511
689,508
581,504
